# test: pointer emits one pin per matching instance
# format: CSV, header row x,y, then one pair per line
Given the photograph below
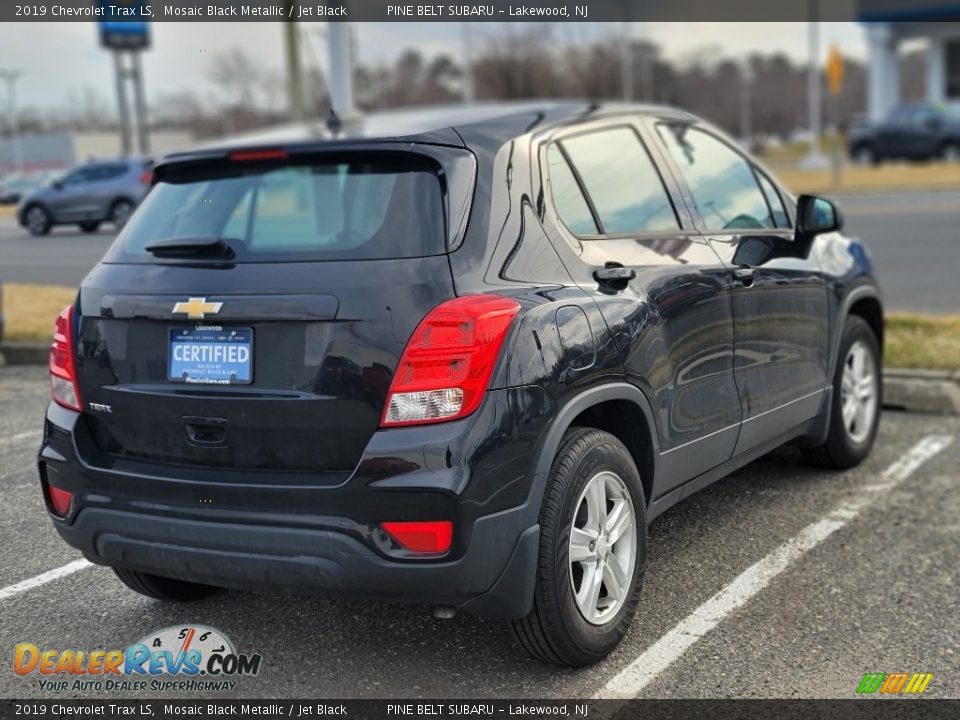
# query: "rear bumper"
x,y
228,531
492,579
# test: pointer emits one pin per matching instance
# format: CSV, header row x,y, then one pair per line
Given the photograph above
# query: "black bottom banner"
x,y
862,709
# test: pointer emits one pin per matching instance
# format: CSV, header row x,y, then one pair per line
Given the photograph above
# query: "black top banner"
x,y
408,11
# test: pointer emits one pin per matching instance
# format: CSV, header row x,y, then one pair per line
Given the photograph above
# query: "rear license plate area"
x,y
211,355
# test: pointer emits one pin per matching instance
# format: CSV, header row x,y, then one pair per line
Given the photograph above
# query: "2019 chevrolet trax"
x,y
459,356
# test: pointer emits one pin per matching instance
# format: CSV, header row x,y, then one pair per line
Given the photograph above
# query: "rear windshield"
x,y
351,209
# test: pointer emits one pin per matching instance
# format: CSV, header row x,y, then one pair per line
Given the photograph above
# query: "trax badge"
x,y
197,308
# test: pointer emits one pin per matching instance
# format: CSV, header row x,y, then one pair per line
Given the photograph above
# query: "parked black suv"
x,y
913,131
460,357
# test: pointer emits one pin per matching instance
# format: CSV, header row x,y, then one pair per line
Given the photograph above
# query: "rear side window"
x,y
721,180
356,209
567,198
107,172
621,182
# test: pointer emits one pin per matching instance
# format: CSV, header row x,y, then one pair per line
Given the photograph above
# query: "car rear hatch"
x,y
251,314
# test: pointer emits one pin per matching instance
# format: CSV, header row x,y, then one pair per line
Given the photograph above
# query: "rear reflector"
x,y
446,367
422,537
257,155
60,500
63,371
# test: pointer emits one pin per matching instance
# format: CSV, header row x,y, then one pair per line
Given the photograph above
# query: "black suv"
x,y
914,131
457,357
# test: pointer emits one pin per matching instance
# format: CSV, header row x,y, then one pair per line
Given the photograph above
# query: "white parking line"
x,y
43,578
19,437
631,681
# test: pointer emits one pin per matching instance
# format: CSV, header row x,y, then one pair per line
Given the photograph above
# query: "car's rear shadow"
x,y
344,648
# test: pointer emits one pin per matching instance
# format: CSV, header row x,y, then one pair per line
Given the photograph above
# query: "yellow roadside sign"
x,y
835,70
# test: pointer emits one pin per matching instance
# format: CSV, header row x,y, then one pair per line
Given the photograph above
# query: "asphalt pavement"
x,y
779,581
913,238
914,241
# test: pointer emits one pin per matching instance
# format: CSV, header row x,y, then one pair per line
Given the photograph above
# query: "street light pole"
x,y
626,60
466,34
746,103
814,157
294,73
126,139
341,69
11,76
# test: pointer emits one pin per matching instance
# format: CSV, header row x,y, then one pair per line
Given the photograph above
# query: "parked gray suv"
x,y
88,195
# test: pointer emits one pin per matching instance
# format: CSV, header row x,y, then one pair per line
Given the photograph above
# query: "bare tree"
x,y
517,62
237,75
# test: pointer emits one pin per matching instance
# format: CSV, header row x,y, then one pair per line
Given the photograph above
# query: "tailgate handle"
x,y
206,432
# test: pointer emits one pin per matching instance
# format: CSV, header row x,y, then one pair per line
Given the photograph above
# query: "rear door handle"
x,y
613,278
613,274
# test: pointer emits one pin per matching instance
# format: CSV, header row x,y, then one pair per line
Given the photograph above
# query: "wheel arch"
x,y
617,408
22,215
119,199
871,310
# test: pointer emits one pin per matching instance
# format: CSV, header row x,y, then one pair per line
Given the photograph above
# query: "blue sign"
x,y
123,25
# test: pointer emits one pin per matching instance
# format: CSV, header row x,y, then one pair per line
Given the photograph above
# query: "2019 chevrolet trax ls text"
x,y
457,356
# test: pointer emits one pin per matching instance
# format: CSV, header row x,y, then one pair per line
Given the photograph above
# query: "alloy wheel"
x,y
121,214
858,392
603,547
37,220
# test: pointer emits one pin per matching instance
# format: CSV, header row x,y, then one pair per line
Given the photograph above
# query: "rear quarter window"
x,y
618,178
351,208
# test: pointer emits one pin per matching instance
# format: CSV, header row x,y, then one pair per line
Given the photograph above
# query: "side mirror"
x,y
57,185
934,122
817,215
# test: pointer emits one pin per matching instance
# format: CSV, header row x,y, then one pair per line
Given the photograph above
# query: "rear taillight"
x,y
446,366
59,500
429,537
63,370
146,177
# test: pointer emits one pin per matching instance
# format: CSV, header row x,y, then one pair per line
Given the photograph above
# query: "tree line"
x,y
526,61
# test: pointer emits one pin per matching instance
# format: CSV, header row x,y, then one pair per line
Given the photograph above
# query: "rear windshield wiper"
x,y
205,246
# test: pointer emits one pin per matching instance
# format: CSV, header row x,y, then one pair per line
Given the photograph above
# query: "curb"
x,y
923,391
24,353
926,391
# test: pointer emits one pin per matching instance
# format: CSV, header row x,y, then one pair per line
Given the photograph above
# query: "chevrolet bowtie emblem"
x,y
197,308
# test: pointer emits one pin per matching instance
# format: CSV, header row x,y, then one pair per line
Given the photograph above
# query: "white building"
x,y
60,150
890,23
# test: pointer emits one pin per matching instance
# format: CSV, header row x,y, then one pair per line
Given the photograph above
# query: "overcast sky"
x,y
62,57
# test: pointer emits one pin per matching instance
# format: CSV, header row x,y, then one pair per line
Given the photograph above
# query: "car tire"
x,y
120,213
162,588
37,220
90,227
950,153
857,399
568,625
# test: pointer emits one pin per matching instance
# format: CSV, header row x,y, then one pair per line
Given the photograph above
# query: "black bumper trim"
x,y
490,580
